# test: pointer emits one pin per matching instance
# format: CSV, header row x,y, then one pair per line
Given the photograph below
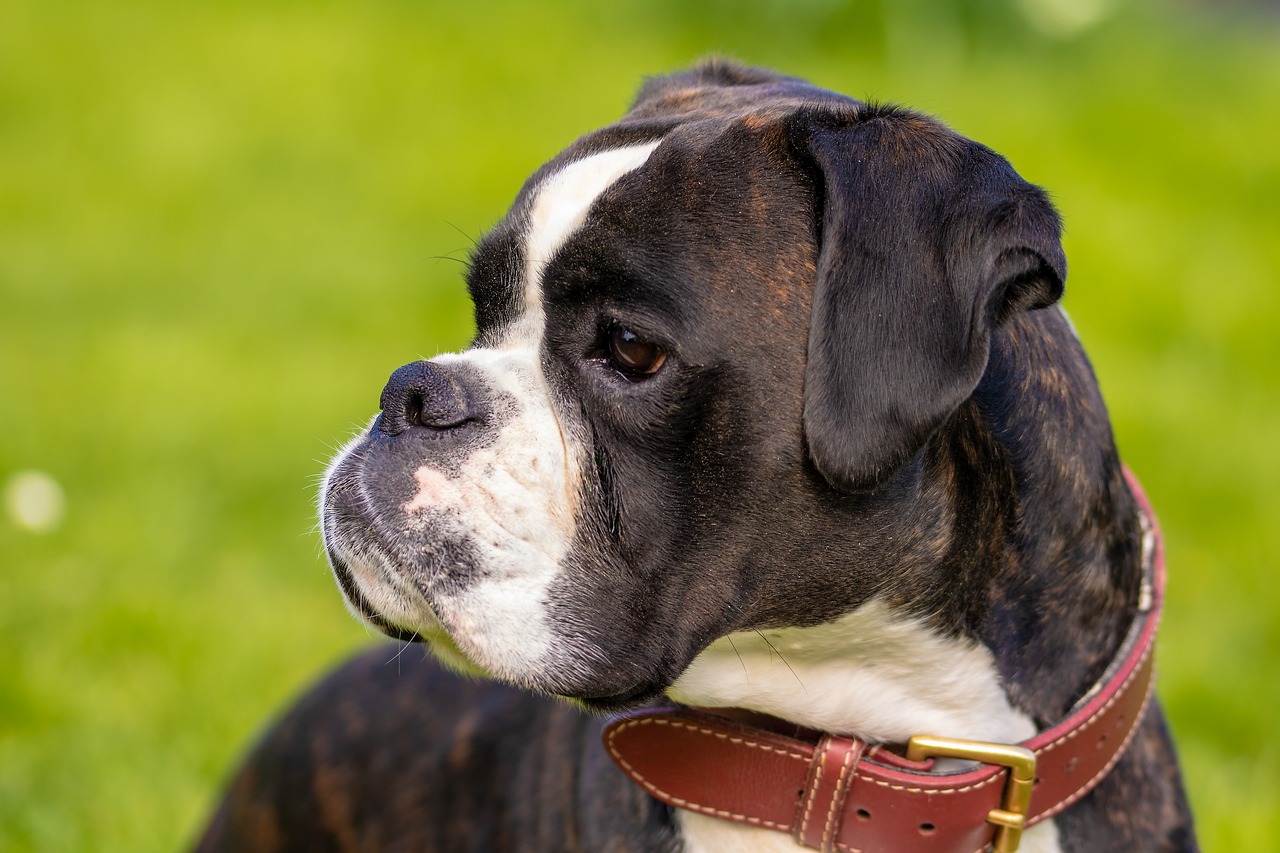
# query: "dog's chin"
x,y
591,698
446,651
641,696
395,632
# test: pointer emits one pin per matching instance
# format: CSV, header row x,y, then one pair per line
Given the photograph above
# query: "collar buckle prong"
x,y
1011,818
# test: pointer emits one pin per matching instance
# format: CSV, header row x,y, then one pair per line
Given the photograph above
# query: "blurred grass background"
x,y
223,224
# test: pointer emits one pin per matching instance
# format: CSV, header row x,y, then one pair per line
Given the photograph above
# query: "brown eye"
x,y
633,356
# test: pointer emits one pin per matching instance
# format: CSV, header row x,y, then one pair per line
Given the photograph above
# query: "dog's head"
x,y
712,342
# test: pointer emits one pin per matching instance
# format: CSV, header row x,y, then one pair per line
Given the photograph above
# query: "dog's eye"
x,y
633,356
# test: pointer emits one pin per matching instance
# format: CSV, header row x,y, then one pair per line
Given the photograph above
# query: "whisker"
x,y
406,645
474,242
733,646
450,258
774,649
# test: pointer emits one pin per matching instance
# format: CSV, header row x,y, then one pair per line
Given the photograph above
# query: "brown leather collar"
x,y
839,793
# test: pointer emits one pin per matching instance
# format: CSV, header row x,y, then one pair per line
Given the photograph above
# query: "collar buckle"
x,y
1011,818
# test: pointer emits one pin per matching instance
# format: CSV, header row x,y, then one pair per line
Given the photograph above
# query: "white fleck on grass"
x,y
34,501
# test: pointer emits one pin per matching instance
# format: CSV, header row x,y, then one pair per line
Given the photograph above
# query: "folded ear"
x,y
928,242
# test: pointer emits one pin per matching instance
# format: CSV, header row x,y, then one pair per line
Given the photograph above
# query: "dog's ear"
x,y
928,241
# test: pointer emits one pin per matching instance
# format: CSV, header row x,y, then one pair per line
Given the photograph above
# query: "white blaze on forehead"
x,y
561,206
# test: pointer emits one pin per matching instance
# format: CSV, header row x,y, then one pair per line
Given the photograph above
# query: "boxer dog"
x,y
769,412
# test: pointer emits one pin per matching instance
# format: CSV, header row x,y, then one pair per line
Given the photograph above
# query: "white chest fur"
x,y
872,674
703,834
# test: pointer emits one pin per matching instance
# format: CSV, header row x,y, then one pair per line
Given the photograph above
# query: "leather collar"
x,y
839,793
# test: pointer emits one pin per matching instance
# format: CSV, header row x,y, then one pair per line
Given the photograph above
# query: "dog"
x,y
771,426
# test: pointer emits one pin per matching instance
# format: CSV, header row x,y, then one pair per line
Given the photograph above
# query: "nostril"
x,y
421,394
413,410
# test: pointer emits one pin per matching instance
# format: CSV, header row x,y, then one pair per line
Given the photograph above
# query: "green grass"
x,y
220,230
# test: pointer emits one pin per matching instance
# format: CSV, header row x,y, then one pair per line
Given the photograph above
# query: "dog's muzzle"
x,y
449,518
431,416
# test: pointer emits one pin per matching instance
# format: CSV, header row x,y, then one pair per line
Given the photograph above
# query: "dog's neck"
x,y
1064,587
872,674
1012,626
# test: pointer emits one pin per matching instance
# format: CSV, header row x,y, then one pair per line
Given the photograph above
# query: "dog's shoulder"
x,y
391,751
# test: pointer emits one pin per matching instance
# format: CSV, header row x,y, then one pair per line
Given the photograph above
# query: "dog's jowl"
x,y
774,507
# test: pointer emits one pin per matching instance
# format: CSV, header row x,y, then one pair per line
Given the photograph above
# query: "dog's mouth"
x,y
361,606
447,651
435,637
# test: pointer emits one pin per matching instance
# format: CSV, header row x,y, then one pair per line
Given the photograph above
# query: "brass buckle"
x,y
1011,818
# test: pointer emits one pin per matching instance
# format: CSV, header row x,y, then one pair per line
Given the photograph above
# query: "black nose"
x,y
421,394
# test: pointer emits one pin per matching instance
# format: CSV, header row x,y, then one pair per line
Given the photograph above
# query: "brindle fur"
x,y
994,506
